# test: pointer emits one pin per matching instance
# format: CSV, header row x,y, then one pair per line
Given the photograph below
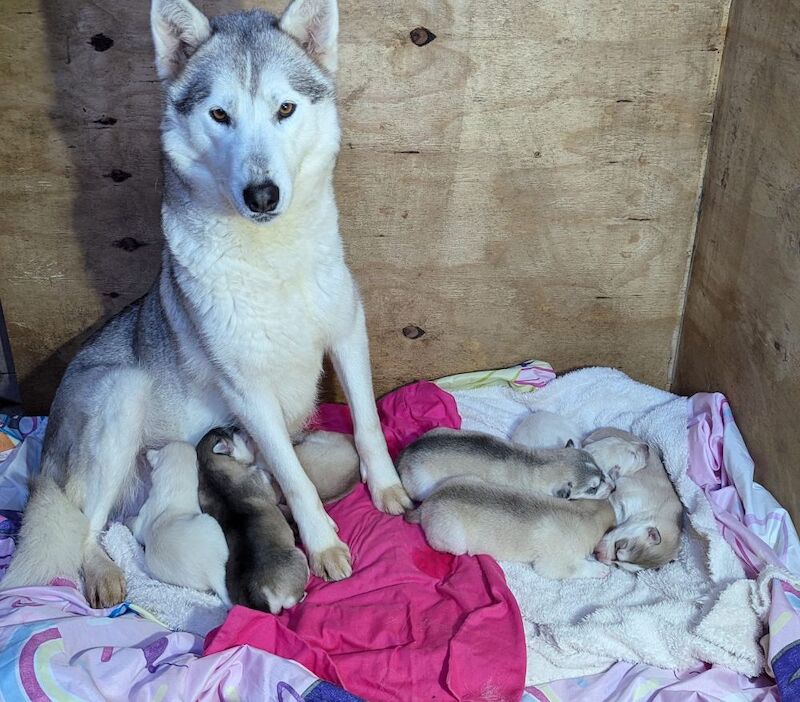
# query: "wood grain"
x,y
742,323
524,185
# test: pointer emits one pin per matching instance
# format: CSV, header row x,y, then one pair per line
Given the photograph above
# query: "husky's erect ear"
x,y
315,24
178,29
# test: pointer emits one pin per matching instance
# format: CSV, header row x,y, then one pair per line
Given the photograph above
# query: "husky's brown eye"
x,y
219,115
286,110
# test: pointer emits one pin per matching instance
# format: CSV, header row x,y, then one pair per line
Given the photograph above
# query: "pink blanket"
x,y
411,623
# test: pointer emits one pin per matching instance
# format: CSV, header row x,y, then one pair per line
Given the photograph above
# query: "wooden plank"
x,y
742,324
522,186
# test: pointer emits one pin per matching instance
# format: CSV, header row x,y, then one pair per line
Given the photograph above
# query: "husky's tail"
x,y
331,462
51,541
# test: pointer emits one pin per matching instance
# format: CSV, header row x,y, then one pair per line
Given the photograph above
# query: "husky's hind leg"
x,y
113,437
51,539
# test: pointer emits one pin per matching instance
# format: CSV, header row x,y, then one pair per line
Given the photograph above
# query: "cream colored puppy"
x,y
182,546
617,455
649,515
468,516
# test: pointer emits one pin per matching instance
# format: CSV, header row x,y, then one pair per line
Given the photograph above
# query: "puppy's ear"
x,y
315,25
653,536
223,447
614,473
569,444
179,28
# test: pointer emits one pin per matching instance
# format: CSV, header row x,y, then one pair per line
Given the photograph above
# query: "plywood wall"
x,y
522,186
742,326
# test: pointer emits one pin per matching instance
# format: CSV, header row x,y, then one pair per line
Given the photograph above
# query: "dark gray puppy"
x,y
265,568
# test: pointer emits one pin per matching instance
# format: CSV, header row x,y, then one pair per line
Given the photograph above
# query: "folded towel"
x,y
177,608
699,608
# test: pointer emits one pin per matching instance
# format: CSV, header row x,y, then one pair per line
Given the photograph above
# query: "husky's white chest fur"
x,y
269,305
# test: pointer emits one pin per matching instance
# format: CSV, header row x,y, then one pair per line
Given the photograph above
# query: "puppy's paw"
x,y
105,587
332,563
392,500
278,601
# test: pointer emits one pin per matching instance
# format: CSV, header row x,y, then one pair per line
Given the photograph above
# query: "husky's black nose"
x,y
262,197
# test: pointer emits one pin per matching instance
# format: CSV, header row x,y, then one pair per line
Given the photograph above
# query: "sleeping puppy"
x,y
617,455
265,570
546,430
469,516
648,514
182,545
442,453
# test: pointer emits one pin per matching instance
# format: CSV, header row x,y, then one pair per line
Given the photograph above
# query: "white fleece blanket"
x,y
699,608
177,608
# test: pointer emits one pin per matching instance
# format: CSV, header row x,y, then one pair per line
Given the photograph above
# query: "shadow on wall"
x,y
105,108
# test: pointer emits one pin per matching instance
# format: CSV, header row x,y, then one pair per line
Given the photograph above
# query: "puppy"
x,y
616,455
468,516
546,430
266,570
182,545
648,514
442,453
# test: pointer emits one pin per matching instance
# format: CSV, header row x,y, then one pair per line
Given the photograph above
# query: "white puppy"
x,y
546,430
182,545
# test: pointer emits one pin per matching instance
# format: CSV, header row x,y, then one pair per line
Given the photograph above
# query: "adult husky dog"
x,y
253,290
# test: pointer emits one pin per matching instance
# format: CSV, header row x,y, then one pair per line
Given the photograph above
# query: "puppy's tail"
x,y
331,462
51,541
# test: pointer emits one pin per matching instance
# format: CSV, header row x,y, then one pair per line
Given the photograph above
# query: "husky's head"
x,y
250,103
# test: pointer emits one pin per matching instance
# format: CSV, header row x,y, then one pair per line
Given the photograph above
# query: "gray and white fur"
x,y
440,454
253,291
265,570
649,514
469,516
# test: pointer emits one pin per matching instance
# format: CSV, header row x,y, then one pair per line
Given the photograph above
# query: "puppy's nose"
x,y
262,197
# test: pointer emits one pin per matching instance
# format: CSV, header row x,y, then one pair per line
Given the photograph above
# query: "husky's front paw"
x,y
105,587
392,499
333,563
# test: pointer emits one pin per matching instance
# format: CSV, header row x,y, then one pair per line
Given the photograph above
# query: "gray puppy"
x,y
443,453
265,568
